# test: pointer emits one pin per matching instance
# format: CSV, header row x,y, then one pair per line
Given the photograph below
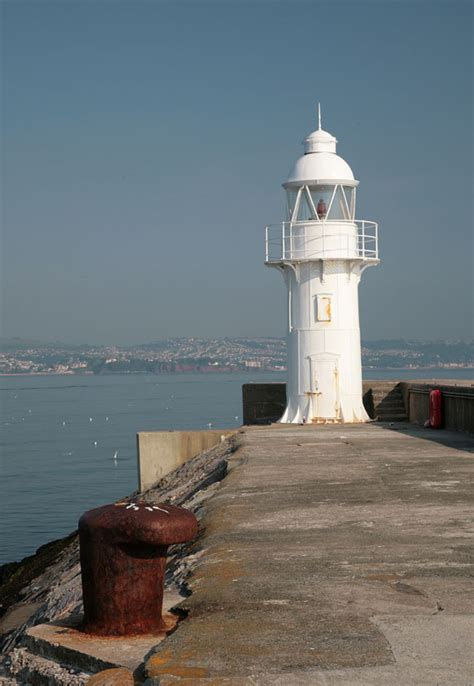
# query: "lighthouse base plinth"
x,y
300,410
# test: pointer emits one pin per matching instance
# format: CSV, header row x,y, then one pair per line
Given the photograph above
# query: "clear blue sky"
x,y
144,144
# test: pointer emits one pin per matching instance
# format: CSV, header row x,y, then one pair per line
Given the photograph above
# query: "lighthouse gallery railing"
x,y
321,240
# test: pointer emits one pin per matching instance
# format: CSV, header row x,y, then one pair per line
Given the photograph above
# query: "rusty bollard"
x,y
123,559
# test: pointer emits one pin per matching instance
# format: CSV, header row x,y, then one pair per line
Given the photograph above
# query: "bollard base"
x,y
63,643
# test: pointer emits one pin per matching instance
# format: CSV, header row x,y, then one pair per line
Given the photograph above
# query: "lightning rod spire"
x,y
319,116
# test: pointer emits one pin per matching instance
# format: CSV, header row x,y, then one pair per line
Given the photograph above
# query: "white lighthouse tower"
x,y
321,251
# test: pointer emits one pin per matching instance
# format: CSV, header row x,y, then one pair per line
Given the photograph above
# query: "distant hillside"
x,y
401,353
19,356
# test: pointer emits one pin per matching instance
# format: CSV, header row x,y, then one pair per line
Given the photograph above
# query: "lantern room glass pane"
x,y
291,196
321,196
339,209
334,203
350,198
305,212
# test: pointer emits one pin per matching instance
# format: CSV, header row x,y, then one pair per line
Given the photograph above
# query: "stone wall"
x,y
265,403
457,404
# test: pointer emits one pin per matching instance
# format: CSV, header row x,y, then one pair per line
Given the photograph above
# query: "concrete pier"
x,y
332,555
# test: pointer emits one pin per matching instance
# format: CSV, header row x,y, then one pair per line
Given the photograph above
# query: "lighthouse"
x,y
321,250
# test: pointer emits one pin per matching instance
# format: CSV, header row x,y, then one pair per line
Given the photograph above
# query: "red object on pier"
x,y
436,414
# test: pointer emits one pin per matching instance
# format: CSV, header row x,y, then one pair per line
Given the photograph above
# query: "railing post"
x,y
266,243
291,241
283,240
363,239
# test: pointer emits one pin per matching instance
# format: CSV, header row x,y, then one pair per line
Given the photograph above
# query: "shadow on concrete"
x,y
450,439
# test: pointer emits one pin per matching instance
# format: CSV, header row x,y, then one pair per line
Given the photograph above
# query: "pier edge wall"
x,y
264,403
160,452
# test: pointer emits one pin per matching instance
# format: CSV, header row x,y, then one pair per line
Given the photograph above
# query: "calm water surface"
x,y
67,443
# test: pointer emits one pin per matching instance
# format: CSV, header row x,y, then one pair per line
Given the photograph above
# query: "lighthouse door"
x,y
324,387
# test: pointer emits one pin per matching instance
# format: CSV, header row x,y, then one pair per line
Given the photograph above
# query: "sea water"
x,y
68,443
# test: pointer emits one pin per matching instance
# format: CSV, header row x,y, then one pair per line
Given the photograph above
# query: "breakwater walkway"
x,y
332,555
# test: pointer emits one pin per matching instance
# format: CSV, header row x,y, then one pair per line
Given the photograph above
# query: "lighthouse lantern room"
x,y
321,251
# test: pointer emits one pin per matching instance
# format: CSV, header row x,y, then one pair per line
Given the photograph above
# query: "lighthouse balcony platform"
x,y
321,240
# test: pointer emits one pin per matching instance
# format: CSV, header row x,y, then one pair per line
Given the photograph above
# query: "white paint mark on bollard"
x,y
155,507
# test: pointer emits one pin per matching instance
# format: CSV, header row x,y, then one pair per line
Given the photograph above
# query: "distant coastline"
x,y
46,374
215,356
222,370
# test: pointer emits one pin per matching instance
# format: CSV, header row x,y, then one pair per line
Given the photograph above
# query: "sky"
x,y
144,145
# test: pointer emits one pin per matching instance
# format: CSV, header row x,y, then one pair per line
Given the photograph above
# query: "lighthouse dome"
x,y
320,162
